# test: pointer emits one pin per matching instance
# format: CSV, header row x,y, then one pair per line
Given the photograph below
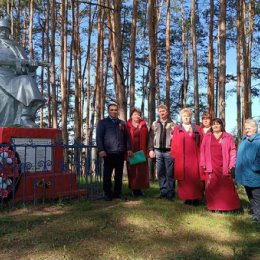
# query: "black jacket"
x,y
112,137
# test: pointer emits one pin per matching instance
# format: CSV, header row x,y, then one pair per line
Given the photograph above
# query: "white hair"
x,y
253,123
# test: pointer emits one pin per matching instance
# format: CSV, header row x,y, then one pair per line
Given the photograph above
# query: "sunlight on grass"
x,y
148,228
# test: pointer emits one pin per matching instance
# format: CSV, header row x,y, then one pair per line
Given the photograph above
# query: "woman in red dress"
x,y
138,175
185,150
218,156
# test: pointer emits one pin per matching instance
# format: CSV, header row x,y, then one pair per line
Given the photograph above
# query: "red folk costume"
x,y
185,150
220,190
138,175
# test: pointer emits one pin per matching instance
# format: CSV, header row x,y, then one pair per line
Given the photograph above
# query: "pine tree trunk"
x,y
63,58
132,54
75,63
48,54
43,67
24,42
168,54
53,69
30,30
211,62
195,61
116,56
222,58
251,15
244,76
185,60
152,69
98,66
102,57
88,85
152,60
238,56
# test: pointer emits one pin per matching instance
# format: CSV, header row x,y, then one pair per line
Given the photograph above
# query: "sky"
x,y
231,111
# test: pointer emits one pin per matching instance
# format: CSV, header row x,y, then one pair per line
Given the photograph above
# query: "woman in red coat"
x,y
138,175
185,150
217,158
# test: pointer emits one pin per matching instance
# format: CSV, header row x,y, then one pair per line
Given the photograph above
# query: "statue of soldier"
x,y
19,94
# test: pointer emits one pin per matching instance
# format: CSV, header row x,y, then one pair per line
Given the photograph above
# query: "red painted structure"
x,y
36,185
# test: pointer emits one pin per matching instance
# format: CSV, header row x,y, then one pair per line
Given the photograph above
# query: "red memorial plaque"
x,y
41,149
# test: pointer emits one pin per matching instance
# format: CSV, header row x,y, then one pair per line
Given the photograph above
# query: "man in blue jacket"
x,y
112,142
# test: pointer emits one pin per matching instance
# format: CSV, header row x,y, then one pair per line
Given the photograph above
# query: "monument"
x,y
19,94
40,148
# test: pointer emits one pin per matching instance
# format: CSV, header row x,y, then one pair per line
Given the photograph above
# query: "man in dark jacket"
x,y
112,142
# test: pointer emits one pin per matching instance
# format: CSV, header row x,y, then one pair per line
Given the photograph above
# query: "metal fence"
x,y
31,173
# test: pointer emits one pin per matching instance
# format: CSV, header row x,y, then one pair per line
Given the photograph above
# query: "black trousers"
x,y
113,161
253,195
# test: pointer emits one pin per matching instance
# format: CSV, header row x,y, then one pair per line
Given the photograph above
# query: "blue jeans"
x,y
164,166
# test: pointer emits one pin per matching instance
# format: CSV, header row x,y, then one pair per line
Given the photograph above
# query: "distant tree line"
x,y
138,53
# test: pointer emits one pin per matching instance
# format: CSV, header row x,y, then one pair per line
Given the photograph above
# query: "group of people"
x,y
201,159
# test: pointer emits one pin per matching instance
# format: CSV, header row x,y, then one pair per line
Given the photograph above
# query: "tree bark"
x,y
63,75
185,60
88,83
75,28
222,58
53,68
152,59
168,54
238,56
251,15
24,42
98,65
132,55
211,62
30,30
48,54
195,61
244,76
116,56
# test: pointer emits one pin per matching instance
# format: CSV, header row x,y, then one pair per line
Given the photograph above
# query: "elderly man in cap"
x,y
19,95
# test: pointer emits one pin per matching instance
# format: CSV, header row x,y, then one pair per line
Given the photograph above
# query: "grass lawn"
x,y
143,229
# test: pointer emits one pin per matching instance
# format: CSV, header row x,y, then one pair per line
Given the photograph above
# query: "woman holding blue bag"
x,y
138,175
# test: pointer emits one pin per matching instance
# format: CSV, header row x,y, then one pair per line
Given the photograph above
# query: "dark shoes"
x,y
137,193
167,197
170,198
117,196
108,197
192,202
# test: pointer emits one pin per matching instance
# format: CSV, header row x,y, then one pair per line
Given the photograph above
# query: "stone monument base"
x,y
40,174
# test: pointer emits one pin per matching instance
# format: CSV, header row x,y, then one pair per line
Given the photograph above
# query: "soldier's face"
x,y
4,33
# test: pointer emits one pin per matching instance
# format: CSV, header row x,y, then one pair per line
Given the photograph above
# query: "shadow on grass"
x,y
147,228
